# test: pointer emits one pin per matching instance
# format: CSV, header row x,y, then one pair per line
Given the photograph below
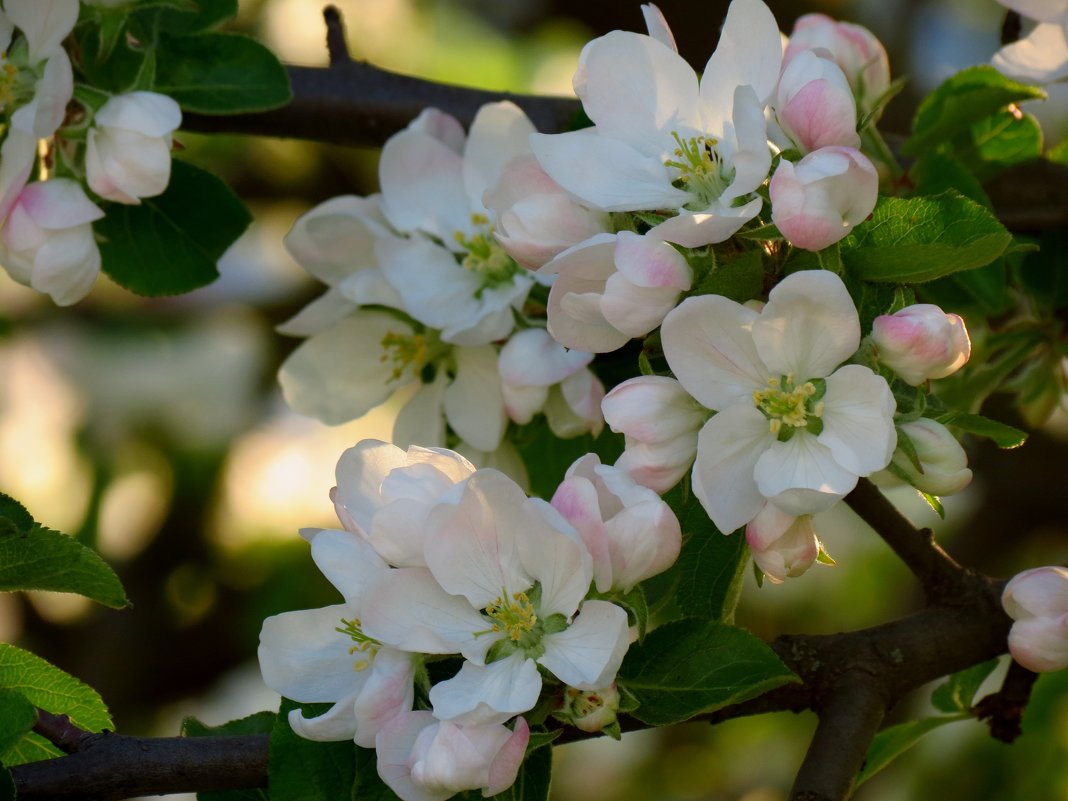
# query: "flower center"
x,y
789,406
515,616
485,256
701,170
366,646
409,351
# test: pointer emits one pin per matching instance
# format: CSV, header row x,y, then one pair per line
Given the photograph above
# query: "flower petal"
x,y
490,693
474,405
347,560
800,476
858,420
422,186
588,653
304,657
388,692
749,52
499,133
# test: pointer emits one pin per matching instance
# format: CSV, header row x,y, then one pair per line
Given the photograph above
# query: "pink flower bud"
x,y
944,462
817,201
589,710
628,529
861,56
1037,600
783,546
814,105
921,342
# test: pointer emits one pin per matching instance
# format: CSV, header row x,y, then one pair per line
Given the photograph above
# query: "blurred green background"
x,y
154,430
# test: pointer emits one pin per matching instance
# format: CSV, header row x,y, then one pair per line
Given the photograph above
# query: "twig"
x,y
1003,710
59,731
336,45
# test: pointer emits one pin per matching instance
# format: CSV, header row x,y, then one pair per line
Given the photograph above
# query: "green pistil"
x,y
366,646
485,256
790,407
701,170
410,351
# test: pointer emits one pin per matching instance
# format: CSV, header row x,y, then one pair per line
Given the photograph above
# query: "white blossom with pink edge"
x,y
921,342
943,462
814,106
47,242
612,288
128,148
783,545
659,421
1042,55
629,530
1037,600
532,364
819,200
424,759
856,50
323,656
789,427
504,586
44,25
664,140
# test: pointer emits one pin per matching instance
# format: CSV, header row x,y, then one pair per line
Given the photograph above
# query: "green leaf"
x,y
965,98
740,278
258,723
923,238
934,502
998,142
987,287
1059,153
303,770
14,519
934,172
49,560
694,666
7,785
17,716
711,566
893,741
170,244
187,18
1045,273
957,694
1004,436
221,73
49,688
547,457
368,785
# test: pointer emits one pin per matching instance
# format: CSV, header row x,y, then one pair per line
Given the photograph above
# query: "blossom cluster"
x,y
436,558
100,148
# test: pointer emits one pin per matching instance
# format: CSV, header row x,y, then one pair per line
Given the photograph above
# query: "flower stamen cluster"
x,y
485,256
368,646
515,617
408,352
782,402
700,167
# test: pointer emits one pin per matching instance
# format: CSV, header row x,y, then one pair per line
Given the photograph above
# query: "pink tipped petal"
x,y
588,653
651,264
576,500
388,692
394,745
505,766
552,554
1039,592
1041,643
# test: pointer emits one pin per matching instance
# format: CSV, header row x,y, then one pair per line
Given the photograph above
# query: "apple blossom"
x,y
856,50
612,288
628,529
47,242
504,586
323,655
128,148
814,106
789,427
424,759
531,362
1042,55
943,462
817,201
921,342
659,421
783,545
590,710
1037,600
664,140
536,218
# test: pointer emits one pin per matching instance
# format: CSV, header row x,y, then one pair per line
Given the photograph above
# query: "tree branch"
x,y
1003,710
59,731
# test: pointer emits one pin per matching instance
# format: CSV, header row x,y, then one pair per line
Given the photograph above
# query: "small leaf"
x,y
303,770
998,142
740,278
1059,153
221,73
923,238
934,502
893,741
934,172
14,519
17,716
964,99
49,560
694,666
957,694
1004,436
711,567
170,244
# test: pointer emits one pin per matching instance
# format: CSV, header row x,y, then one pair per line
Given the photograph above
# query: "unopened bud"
x,y
921,342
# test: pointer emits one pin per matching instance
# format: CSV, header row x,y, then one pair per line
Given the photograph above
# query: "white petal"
x,y
52,94
46,23
1041,591
491,693
695,229
347,560
303,656
336,238
657,26
1040,643
318,315
749,52
434,289
858,420
552,554
474,405
336,724
148,113
751,156
533,358
588,653
422,186
359,475
388,692
422,421
1040,57
394,745
498,134
709,346
728,448
808,327
801,476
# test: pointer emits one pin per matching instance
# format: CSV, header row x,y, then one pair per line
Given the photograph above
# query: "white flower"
x,y
612,288
128,149
424,759
1042,55
1037,600
628,529
451,273
943,462
783,545
504,586
921,342
323,655
47,242
663,140
789,428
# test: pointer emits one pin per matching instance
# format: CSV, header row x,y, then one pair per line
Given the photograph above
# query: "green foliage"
x,y
221,73
1004,436
48,560
935,172
303,770
693,666
962,100
919,239
170,244
178,18
740,277
7,785
14,519
17,717
547,457
368,785
49,688
893,741
998,142
958,693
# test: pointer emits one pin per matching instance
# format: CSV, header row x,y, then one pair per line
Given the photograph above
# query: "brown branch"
x,y
59,731
1003,710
